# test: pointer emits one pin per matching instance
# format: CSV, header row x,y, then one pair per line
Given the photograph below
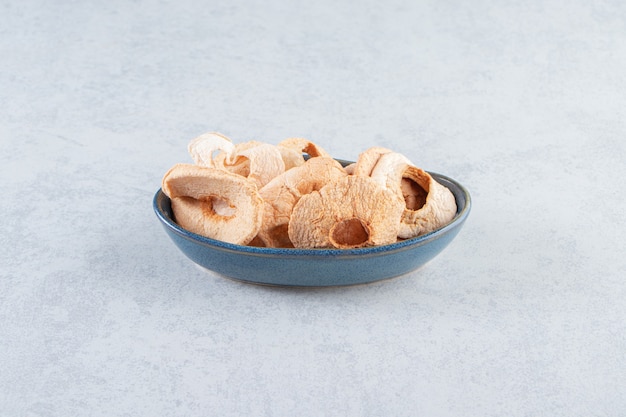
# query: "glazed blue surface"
x,y
314,267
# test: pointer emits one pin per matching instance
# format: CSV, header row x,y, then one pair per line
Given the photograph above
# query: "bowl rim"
x,y
459,218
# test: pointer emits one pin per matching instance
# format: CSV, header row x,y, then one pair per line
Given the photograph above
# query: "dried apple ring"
x,y
388,169
428,204
368,159
257,161
214,203
283,192
204,146
302,145
291,157
351,212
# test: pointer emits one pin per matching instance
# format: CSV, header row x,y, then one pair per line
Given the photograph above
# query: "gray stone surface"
x,y
522,101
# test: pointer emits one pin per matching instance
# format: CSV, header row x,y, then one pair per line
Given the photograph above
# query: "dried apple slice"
x,y
257,161
428,204
302,145
202,148
352,212
283,192
214,203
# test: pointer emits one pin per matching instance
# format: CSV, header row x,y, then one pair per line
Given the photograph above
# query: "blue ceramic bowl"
x,y
314,267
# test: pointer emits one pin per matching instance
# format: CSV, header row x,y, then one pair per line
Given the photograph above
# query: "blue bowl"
x,y
314,267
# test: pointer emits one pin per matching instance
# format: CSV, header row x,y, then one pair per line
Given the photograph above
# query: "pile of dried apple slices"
x,y
259,194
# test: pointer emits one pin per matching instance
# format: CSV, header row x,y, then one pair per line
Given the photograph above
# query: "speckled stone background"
x,y
523,314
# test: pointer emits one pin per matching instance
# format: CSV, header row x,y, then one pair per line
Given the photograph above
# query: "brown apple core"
x,y
414,195
349,233
218,206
